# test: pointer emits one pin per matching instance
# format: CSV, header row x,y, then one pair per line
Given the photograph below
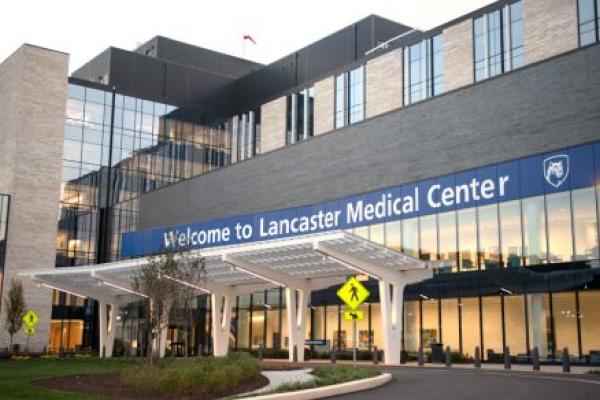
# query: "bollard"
x,y
421,357
477,358
535,359
507,364
260,352
295,354
375,355
448,357
332,356
566,360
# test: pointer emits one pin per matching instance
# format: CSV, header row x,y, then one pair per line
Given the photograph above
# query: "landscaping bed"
x,y
199,378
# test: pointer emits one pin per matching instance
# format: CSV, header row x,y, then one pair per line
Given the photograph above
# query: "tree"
x,y
15,309
161,280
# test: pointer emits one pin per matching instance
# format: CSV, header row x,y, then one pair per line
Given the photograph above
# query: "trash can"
x,y
437,353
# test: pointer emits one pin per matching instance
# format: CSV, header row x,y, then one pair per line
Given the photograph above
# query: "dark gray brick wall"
x,y
542,107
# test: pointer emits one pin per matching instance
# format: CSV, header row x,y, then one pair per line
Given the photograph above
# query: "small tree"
x,y
15,309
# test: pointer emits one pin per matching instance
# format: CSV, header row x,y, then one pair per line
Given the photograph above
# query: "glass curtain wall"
x,y
300,115
499,45
248,134
350,97
423,70
589,21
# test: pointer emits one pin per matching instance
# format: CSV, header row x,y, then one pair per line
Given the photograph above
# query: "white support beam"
x,y
267,274
221,305
391,302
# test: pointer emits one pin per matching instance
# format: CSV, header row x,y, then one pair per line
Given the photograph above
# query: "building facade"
x,y
479,137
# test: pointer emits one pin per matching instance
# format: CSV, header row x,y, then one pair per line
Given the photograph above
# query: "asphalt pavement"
x,y
456,384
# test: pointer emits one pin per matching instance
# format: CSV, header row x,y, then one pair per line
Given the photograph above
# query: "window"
x,y
589,21
498,39
248,134
489,254
467,239
423,70
584,224
300,111
510,233
560,237
534,231
349,97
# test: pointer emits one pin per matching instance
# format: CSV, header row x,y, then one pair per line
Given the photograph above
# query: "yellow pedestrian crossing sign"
x,y
353,293
354,315
30,319
30,330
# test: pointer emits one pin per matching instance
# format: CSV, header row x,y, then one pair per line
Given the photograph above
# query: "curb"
x,y
330,390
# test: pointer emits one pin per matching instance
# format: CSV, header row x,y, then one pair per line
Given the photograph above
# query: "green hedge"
x,y
197,375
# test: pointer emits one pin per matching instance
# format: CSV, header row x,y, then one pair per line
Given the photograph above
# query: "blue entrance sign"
x,y
563,170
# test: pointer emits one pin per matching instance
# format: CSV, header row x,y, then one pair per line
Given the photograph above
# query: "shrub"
x,y
198,375
333,374
594,371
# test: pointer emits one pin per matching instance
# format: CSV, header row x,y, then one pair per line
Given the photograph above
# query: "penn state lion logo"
x,y
556,169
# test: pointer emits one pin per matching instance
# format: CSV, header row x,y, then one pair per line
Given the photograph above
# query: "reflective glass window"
x,y
470,325
534,230
410,237
565,322
492,327
588,21
428,230
393,239
514,324
538,314
467,239
356,95
560,237
431,326
411,325
450,325
447,234
489,249
589,316
340,100
510,233
585,228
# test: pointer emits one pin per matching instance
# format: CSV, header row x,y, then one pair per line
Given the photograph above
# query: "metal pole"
x,y
354,342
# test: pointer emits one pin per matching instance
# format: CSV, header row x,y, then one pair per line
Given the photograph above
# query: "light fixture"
x,y
421,295
510,293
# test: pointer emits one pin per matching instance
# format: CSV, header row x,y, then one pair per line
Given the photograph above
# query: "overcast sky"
x,y
85,28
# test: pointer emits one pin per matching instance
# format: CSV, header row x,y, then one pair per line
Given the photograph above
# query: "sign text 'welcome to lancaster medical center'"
x,y
572,168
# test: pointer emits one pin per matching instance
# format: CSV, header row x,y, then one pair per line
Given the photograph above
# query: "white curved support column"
x,y
221,304
107,320
296,306
391,296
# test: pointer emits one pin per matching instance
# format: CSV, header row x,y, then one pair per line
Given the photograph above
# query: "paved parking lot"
x,y
442,384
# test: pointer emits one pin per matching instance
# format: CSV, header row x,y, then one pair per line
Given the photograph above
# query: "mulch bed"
x,y
110,385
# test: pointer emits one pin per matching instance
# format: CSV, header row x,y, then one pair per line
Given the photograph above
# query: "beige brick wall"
x,y
324,104
384,83
549,27
458,55
272,129
33,94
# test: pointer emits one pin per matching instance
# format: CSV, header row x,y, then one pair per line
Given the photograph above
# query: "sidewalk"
x,y
553,369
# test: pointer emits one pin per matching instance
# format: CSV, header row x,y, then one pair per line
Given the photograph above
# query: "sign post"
x,y
353,293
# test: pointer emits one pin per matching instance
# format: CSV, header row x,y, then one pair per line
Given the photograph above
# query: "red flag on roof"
x,y
248,37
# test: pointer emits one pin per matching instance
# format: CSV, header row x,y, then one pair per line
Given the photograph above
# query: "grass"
x,y
16,376
197,375
329,375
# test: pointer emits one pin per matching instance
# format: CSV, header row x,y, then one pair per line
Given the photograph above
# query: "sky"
x,y
85,28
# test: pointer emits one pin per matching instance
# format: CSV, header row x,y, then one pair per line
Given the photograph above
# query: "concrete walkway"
x,y
278,378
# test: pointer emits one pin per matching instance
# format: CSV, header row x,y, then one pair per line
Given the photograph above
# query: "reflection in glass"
x,y
491,320
447,232
510,233
589,316
514,323
450,332
467,239
430,331
559,227
538,315
428,229
376,234
411,325
410,237
488,236
565,322
393,240
470,325
534,230
585,224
